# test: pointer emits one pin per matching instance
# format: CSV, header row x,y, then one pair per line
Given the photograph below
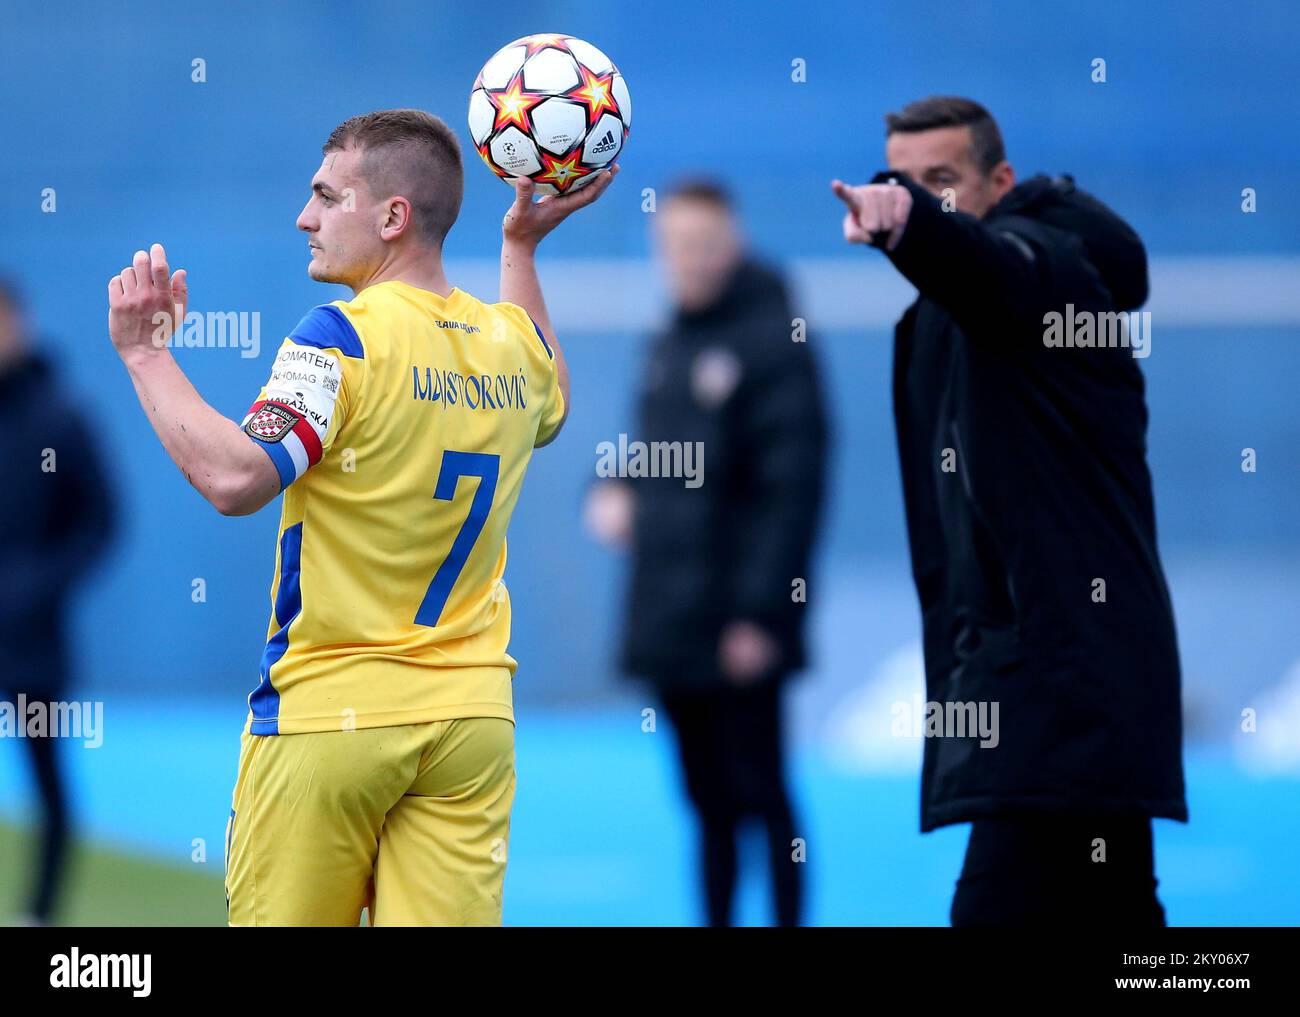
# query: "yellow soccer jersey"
x,y
401,423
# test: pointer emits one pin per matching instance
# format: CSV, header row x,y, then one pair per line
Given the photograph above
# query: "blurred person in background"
x,y
56,518
716,611
1031,521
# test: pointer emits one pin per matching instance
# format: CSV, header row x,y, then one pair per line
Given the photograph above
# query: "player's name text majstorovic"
x,y
470,391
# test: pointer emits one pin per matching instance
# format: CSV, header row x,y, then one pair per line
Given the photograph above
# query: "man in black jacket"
x,y
721,561
56,516
1031,523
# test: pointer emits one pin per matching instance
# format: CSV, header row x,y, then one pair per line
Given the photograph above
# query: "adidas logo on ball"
x,y
605,143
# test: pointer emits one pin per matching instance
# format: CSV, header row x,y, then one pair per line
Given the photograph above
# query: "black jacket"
x,y
733,379
54,523
1046,492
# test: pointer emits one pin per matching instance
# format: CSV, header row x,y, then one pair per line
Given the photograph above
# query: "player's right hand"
x,y
528,221
146,303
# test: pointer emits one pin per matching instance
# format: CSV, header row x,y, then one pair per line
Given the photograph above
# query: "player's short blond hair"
x,y
410,153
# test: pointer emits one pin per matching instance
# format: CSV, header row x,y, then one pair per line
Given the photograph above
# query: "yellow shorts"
x,y
412,822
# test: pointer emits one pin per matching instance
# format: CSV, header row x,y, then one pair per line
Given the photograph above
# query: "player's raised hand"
x,y
146,303
875,212
528,221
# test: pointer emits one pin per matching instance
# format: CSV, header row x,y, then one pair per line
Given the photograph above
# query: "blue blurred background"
x,y
1199,103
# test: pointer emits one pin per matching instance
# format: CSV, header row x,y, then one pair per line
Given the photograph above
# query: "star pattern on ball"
x,y
562,171
537,43
596,92
513,104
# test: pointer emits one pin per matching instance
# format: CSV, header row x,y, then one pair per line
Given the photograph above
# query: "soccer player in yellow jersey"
x,y
376,768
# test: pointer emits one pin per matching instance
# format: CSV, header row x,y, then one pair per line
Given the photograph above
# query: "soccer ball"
x,y
549,107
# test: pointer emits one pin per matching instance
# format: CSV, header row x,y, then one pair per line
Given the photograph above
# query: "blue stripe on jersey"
x,y
264,700
542,338
282,460
328,328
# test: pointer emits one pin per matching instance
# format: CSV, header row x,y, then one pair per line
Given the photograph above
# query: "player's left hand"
x,y
146,303
746,653
874,209
528,221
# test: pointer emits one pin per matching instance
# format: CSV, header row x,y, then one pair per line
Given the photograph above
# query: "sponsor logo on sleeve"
x,y
307,380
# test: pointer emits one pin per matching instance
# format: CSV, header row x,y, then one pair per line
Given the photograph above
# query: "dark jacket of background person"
x,y
53,525
731,377
1050,493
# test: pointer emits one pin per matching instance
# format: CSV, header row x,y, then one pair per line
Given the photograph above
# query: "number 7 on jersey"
x,y
486,466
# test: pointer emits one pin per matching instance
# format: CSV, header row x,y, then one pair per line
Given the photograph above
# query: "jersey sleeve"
x,y
300,410
542,358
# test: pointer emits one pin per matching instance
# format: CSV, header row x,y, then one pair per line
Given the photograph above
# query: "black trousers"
x,y
730,746
1031,871
53,845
